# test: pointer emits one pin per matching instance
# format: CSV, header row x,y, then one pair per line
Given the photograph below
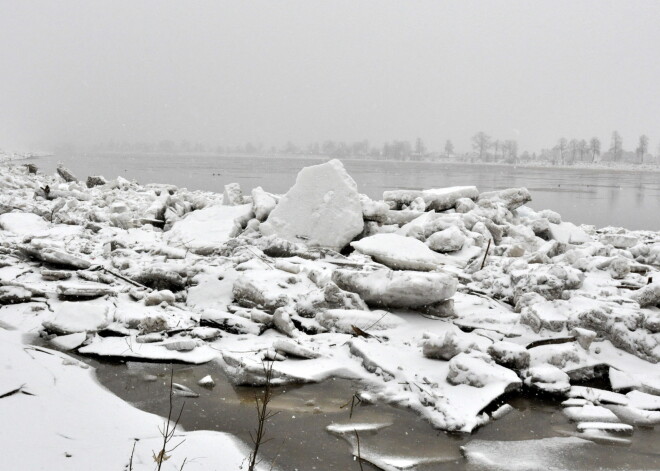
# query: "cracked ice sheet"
x,y
335,359
403,373
127,347
78,417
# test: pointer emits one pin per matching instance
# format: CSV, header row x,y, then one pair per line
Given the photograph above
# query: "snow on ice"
x,y
440,300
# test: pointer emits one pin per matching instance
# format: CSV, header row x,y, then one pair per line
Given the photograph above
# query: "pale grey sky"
x,y
271,71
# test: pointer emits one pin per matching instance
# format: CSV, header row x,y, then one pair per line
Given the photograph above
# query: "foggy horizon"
x,y
229,73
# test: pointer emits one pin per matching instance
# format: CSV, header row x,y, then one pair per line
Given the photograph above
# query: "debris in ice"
x,y
352,427
206,382
502,411
183,391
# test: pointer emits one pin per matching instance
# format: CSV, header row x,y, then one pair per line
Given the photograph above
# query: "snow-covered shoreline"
x,y
440,300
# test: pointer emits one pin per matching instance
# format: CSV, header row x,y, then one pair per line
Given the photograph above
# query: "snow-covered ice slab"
x,y
624,429
205,230
397,288
128,347
23,223
568,233
72,317
401,253
590,413
321,209
420,383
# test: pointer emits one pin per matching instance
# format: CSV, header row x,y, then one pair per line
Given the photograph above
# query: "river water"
x,y
299,440
585,196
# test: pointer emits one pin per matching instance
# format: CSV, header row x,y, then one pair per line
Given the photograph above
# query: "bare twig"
x,y
130,462
168,430
359,453
263,414
483,262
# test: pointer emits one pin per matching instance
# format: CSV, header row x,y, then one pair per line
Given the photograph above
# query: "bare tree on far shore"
x,y
594,148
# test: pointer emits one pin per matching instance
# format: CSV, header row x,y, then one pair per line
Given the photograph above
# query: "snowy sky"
x,y
302,70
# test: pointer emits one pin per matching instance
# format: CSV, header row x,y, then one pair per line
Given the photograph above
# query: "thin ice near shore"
x,y
441,300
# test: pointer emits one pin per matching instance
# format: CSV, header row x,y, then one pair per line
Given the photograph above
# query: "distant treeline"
x,y
484,148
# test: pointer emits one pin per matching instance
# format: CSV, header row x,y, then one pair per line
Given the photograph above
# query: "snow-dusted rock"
x,y
321,209
448,240
73,317
397,288
399,253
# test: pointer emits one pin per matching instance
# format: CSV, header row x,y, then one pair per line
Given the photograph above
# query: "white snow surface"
x,y
64,422
321,209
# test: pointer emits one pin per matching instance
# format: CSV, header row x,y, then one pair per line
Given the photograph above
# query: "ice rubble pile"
x,y
440,300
